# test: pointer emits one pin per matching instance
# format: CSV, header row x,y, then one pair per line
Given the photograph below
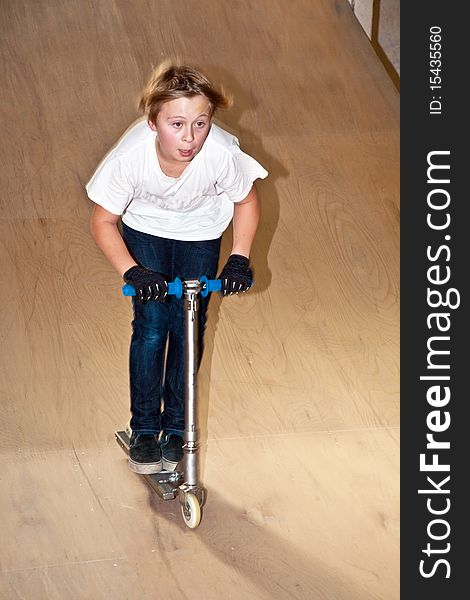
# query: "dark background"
x,y
420,134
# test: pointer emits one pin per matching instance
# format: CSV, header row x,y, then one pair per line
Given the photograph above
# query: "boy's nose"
x,y
188,135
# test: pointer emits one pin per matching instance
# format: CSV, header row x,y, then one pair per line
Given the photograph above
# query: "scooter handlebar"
x,y
175,288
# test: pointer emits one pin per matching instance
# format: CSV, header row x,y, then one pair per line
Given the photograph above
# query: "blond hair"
x,y
170,81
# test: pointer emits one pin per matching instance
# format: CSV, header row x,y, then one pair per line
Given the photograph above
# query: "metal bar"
x,y
191,290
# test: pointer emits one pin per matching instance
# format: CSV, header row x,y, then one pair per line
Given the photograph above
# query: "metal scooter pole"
x,y
191,291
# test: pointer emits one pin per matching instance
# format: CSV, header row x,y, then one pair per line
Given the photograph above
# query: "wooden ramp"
x,y
299,385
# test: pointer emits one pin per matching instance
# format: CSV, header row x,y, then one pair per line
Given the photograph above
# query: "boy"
x,y
177,181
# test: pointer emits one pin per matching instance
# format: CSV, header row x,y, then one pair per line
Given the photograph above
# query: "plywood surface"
x,y
299,410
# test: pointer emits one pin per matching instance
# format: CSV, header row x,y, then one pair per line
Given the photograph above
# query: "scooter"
x,y
184,483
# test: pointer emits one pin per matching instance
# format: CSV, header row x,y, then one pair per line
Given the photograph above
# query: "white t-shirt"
x,y
198,205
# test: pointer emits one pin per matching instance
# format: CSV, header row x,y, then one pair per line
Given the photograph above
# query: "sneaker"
x,y
172,451
145,456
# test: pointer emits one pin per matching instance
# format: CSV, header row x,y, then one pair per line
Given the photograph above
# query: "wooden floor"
x,y
299,407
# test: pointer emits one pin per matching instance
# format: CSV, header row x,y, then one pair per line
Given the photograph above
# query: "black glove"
x,y
236,276
148,285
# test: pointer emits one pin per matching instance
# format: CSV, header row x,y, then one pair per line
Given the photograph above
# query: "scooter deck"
x,y
165,483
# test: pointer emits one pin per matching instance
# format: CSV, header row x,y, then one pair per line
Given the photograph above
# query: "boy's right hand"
x,y
148,285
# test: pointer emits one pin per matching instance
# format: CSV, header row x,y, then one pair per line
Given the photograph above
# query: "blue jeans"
x,y
154,381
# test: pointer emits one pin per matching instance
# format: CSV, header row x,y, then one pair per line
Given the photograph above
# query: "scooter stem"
x,y
191,289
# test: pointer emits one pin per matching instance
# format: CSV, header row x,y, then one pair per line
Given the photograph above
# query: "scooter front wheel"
x,y
191,511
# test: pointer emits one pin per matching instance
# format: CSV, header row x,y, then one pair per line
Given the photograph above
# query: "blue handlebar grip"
x,y
210,285
128,290
175,288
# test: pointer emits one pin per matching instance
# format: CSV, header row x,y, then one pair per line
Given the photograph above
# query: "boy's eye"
x,y
177,124
201,124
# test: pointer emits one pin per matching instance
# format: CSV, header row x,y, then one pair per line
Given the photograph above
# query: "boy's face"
x,y
182,126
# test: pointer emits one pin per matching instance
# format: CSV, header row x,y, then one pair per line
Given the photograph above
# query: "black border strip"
x,y
441,129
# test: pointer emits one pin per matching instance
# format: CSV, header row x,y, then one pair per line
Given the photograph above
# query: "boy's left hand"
x,y
236,276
